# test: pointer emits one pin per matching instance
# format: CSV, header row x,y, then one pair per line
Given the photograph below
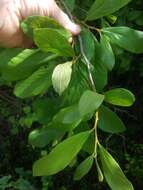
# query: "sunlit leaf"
x,y
60,156
61,77
36,84
126,38
51,40
33,22
112,172
119,97
89,102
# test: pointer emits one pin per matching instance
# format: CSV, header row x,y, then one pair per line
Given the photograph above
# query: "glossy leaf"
x,y
36,84
112,172
109,121
83,168
102,8
126,38
61,156
23,63
61,77
51,40
89,102
119,97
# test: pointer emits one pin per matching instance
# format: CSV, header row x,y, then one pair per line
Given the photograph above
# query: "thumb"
x,y
64,20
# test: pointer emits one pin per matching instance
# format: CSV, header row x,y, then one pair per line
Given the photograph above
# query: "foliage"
x,y
68,88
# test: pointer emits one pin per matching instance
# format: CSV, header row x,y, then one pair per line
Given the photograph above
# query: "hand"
x,y
12,12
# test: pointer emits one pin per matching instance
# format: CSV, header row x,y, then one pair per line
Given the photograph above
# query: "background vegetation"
x,y
17,119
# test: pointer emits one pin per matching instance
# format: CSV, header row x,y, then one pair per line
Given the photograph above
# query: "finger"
x,y
64,20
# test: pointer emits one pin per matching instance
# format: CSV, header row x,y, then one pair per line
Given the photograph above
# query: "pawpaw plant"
x,y
69,83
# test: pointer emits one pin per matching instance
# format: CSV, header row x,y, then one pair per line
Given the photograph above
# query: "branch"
x,y
87,62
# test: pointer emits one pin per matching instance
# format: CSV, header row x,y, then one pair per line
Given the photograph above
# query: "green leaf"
x,y
88,43
7,54
106,53
34,22
18,64
70,4
89,146
67,118
83,168
119,97
36,84
51,40
109,121
102,8
112,172
61,156
67,115
99,69
126,38
41,137
61,77
89,102
100,75
77,85
42,109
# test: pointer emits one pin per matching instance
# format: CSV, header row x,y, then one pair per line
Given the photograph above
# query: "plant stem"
x,y
87,62
88,26
95,134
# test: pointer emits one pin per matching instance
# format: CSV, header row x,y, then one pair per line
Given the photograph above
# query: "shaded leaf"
x,y
67,118
109,121
43,111
106,53
41,137
83,168
70,4
88,43
100,75
102,8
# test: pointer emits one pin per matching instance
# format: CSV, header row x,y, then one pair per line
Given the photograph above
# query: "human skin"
x,y
12,12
